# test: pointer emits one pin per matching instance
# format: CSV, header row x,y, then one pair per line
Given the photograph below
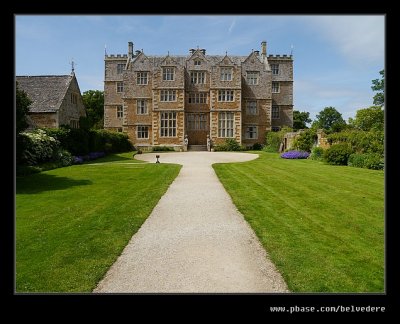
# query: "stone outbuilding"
x,y
56,100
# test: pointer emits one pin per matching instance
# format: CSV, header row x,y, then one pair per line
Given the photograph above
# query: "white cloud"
x,y
313,96
358,38
232,26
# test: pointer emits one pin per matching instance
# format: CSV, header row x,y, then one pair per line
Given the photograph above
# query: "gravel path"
x,y
195,240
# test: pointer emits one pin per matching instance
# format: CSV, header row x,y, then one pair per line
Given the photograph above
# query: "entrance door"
x,y
197,128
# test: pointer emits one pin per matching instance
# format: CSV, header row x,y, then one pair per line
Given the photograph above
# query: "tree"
x,y
300,119
22,109
367,119
94,104
330,120
379,85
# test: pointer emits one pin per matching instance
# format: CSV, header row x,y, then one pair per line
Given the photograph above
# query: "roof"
x,y
45,91
181,59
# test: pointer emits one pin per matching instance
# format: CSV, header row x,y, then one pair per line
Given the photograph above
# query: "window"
x,y
252,132
74,98
225,124
120,68
198,97
167,95
143,132
275,69
197,77
275,87
141,106
119,129
275,128
197,62
196,122
141,78
168,124
226,74
120,87
168,74
252,77
225,95
120,111
275,112
251,107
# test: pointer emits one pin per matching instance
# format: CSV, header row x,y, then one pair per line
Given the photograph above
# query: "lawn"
x,y
72,223
322,225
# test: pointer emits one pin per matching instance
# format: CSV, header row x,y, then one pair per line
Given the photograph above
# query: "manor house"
x,y
158,100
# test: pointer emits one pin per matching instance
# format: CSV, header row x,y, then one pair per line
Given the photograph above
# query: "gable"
x,y
141,63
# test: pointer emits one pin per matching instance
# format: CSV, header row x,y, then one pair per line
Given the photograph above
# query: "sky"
x,y
335,57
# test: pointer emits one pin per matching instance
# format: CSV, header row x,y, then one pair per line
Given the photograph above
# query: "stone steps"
x,y
197,148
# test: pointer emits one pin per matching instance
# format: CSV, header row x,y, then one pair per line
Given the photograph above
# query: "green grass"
x,y
322,225
72,223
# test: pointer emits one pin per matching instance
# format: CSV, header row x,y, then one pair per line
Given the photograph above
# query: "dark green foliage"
x,y
330,120
229,145
94,105
275,139
317,153
257,147
300,119
22,104
306,140
162,148
83,141
366,160
379,85
360,141
367,119
338,154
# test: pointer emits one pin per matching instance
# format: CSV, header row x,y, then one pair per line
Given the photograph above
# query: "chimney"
x,y
264,48
130,49
203,51
257,53
191,51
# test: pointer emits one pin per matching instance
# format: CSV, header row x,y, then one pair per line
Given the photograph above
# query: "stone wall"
x,y
47,120
71,109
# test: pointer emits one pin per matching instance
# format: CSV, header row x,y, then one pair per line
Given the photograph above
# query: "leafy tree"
x,y
367,119
330,120
300,119
94,104
379,85
22,104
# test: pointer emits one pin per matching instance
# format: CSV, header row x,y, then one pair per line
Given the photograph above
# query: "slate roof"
x,y
212,59
45,91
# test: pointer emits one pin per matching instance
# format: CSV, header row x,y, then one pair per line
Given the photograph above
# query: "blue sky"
x,y
335,57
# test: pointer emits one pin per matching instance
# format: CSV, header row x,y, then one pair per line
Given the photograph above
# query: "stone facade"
x,y
56,100
158,100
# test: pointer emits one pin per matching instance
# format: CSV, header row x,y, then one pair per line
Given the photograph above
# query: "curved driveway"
x,y
195,240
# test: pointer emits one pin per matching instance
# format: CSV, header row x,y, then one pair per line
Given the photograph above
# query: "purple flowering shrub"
x,y
89,157
295,155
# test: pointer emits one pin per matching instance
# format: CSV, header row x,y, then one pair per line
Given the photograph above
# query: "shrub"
x,y
82,141
295,155
257,147
229,145
338,154
273,140
366,160
39,147
306,140
317,153
62,158
162,148
360,141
